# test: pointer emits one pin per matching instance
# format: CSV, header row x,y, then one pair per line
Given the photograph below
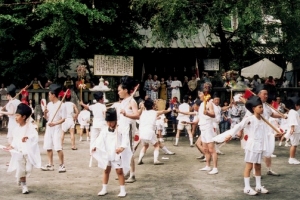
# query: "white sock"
x,y
165,149
132,174
191,140
141,156
176,140
122,189
258,181
156,154
104,187
247,182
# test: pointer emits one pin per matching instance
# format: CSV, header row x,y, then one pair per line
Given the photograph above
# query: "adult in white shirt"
x,y
176,85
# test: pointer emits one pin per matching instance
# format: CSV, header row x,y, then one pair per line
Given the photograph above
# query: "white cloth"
x,y
147,124
30,148
69,109
98,110
84,118
176,85
53,134
106,144
11,107
184,107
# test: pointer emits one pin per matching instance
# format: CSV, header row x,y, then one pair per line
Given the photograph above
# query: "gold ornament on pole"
x,y
81,72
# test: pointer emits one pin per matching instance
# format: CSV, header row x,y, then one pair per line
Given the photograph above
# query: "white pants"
x,y
24,167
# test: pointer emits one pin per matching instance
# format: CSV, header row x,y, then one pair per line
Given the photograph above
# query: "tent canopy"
x,y
263,69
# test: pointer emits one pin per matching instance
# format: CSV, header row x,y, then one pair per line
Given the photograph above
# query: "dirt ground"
x,y
179,178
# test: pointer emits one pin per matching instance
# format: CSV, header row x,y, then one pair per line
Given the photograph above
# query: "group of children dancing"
x,y
114,134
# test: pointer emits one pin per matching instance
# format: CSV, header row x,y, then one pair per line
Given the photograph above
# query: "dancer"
x,y
147,130
98,109
26,153
55,114
11,108
112,151
183,121
206,114
293,132
128,114
84,118
256,146
69,123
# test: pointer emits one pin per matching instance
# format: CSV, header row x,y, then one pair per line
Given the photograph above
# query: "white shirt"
x,y
98,110
183,108
177,84
84,117
70,109
147,124
61,113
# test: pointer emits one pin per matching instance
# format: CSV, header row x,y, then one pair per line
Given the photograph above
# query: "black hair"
x,y
148,104
289,104
127,83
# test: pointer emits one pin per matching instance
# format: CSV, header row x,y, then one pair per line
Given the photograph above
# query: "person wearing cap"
x,y
26,152
11,108
55,113
111,150
206,114
69,123
128,115
182,121
257,145
147,130
98,109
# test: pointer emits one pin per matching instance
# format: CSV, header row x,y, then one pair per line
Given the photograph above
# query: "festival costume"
x,y
25,155
98,110
205,126
84,118
69,121
52,138
106,144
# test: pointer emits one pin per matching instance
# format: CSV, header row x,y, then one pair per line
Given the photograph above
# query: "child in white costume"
x,y
257,145
147,130
69,123
182,121
84,119
26,152
111,150
98,109
55,114
11,108
293,131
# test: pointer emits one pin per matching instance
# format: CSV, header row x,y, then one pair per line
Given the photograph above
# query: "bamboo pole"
x,y
59,105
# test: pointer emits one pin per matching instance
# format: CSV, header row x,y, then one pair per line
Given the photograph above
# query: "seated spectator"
x,y
48,83
69,83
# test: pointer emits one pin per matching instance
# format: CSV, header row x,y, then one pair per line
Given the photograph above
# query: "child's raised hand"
x,y
24,139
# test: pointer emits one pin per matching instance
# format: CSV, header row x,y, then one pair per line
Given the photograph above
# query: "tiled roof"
x,y
203,39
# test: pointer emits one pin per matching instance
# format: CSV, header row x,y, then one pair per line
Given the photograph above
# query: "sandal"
x,y
74,148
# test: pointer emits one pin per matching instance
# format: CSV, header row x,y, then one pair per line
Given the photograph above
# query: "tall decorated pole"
x,y
81,72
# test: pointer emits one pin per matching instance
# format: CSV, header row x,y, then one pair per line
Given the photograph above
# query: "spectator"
x,y
176,85
255,82
270,81
192,84
68,83
163,89
169,89
36,84
48,83
185,86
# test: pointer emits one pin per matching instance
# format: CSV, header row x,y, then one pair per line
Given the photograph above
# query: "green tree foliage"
x,y
170,19
43,37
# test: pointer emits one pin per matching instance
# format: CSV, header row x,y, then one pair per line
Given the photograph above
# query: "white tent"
x,y
263,69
